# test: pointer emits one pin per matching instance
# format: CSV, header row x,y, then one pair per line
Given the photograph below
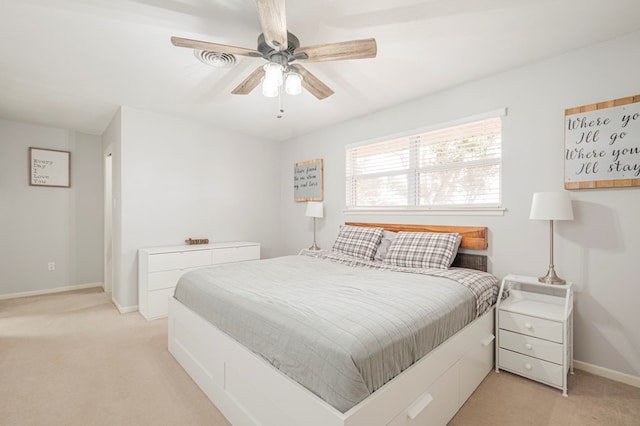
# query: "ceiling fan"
x,y
281,49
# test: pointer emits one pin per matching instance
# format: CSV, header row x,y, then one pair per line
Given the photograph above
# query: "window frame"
x,y
429,210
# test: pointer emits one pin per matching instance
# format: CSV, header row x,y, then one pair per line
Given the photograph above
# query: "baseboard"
x,y
49,291
123,309
607,373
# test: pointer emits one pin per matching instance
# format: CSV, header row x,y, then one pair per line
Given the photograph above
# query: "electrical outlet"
x,y
51,266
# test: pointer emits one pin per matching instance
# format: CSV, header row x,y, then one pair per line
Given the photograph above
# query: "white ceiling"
x,y
71,63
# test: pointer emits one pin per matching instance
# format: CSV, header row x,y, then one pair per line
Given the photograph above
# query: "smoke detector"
x,y
215,59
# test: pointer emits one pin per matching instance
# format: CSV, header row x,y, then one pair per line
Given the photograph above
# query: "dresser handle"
x,y
528,326
528,346
527,366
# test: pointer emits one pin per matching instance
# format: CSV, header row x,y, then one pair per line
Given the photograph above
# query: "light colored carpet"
x,y
72,359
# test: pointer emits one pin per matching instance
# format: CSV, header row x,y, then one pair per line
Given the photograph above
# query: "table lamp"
x,y
551,206
314,210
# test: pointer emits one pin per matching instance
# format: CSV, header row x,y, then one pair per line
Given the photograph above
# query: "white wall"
x,y
112,139
599,250
42,224
178,180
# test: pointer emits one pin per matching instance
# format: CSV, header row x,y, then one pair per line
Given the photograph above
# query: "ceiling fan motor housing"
x,y
282,57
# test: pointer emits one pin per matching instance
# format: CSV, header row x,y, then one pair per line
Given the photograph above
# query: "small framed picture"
x,y
307,180
49,167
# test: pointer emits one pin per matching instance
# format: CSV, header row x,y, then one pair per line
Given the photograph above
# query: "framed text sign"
x,y
48,167
602,144
307,180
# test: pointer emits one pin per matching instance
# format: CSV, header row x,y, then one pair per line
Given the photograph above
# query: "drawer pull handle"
x,y
528,346
528,326
419,406
487,340
528,366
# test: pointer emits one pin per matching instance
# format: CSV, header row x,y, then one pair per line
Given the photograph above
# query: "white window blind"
x,y
452,167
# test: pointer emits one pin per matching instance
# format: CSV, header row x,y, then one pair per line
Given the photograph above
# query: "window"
x,y
454,167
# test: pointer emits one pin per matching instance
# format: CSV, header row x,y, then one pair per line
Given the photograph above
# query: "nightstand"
x,y
309,252
534,330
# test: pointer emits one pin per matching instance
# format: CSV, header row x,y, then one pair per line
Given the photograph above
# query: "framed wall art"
x,y
602,144
49,167
307,180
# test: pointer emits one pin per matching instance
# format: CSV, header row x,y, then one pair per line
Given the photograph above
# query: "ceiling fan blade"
x,y
273,21
249,83
355,49
214,47
312,84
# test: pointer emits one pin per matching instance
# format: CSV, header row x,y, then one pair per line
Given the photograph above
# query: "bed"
x,y
252,385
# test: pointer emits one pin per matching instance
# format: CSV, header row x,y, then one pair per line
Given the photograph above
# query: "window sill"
x,y
418,211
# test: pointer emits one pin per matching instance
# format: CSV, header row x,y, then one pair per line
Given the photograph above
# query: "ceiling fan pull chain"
x,y
280,108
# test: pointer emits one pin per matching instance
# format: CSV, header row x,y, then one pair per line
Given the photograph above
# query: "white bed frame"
x,y
250,391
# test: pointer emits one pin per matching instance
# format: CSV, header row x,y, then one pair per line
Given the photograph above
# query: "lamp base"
x,y
552,277
314,247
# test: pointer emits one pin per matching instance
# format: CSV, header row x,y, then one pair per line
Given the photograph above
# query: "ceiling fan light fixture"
x,y
273,74
293,83
270,89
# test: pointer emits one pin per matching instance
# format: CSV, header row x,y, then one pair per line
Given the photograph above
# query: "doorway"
x,y
108,220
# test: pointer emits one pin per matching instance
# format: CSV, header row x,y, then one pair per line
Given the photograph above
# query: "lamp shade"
x,y
314,209
551,206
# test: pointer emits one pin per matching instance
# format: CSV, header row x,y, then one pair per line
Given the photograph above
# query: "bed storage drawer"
x,y
474,366
533,368
464,366
436,406
531,326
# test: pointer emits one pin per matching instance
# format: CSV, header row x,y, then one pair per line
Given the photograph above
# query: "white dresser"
x,y
159,269
534,330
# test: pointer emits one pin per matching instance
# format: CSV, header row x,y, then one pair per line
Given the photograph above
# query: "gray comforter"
x,y
339,330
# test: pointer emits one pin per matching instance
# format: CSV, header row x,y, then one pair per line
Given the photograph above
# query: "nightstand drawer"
x,y
526,345
530,367
531,326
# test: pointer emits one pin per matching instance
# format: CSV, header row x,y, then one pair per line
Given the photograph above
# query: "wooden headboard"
x,y
473,238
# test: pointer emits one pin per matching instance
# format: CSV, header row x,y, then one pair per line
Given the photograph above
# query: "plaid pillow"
x,y
358,241
423,250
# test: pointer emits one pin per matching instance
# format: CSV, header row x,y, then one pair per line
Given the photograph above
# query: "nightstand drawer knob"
x,y
528,366
528,346
528,326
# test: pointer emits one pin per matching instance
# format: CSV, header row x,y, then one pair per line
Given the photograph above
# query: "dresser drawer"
x,y
166,279
531,326
179,260
235,254
158,303
526,345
